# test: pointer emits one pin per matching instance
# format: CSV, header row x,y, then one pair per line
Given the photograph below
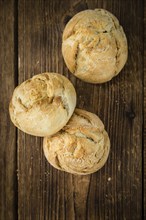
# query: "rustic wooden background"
x,y
30,43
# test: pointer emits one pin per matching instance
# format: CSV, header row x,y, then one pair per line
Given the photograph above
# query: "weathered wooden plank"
x,y
8,72
115,192
144,121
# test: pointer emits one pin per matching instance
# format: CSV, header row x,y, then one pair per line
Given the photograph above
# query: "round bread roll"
x,y
81,147
94,46
42,105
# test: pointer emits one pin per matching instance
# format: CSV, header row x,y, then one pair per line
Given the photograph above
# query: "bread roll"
x,y
94,46
42,105
81,147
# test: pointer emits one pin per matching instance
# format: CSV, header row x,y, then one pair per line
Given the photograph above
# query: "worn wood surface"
x,y
8,75
144,121
30,39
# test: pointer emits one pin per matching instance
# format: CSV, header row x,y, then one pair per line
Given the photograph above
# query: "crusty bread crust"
x,y
94,46
42,105
81,147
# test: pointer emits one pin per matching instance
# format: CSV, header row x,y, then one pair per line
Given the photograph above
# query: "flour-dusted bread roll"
x,y
94,46
42,105
81,147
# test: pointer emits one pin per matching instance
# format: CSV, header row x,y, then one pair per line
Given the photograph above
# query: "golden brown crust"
x,y
43,104
94,46
81,147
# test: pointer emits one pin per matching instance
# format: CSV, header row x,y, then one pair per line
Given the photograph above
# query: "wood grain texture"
x,y
8,153
114,192
144,121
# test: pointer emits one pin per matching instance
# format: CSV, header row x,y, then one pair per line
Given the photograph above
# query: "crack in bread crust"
x,y
117,56
36,97
76,58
